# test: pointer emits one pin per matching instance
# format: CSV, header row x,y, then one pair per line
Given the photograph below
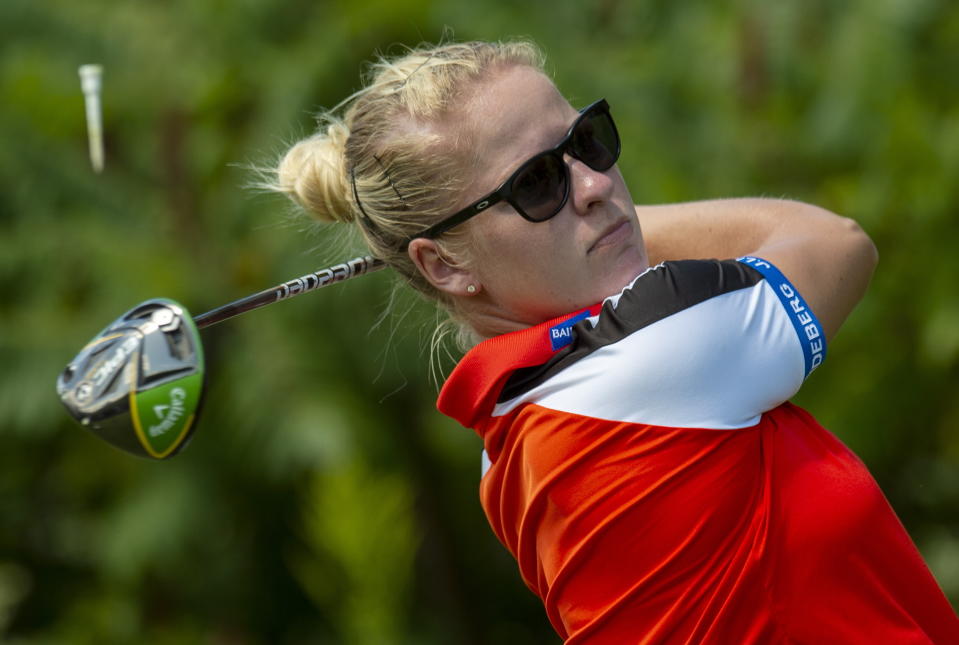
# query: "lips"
x,y
615,233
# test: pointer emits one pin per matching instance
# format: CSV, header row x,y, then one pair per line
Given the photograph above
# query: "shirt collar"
x,y
471,390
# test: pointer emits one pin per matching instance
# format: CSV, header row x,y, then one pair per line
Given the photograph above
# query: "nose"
x,y
588,188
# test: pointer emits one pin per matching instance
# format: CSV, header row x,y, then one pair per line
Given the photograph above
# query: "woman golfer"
x,y
642,462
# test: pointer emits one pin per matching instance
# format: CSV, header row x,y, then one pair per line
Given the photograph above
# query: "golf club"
x,y
139,383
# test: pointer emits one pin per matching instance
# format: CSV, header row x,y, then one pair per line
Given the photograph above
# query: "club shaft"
x,y
304,284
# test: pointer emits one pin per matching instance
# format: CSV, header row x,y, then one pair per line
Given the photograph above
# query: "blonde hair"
x,y
387,165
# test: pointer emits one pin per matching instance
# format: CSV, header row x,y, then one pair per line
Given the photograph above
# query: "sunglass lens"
x,y
540,188
595,141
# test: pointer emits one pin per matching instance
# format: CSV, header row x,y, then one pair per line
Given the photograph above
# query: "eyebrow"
x,y
510,167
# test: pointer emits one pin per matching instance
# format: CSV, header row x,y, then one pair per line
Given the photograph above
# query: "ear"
x,y
440,271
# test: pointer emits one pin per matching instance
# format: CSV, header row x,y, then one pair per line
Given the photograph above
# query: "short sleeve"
x,y
809,332
706,344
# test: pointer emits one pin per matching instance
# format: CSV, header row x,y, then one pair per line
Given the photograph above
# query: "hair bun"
x,y
313,173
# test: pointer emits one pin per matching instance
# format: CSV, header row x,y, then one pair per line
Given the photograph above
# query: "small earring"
x,y
471,289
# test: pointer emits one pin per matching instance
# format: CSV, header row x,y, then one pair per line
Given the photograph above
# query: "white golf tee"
x,y
90,81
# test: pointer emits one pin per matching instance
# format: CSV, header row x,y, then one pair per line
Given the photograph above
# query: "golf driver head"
x,y
139,383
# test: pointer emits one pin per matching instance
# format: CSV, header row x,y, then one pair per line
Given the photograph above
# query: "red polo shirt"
x,y
645,469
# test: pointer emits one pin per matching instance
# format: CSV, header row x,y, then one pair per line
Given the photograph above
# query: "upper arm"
x,y
830,260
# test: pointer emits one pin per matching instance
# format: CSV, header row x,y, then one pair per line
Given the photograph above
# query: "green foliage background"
x,y
323,499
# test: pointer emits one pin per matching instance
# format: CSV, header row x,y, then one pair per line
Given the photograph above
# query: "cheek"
x,y
518,256
501,238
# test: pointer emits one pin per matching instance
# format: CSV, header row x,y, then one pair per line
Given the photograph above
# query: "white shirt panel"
x,y
719,364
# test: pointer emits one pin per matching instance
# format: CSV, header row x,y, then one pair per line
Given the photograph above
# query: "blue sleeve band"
x,y
810,332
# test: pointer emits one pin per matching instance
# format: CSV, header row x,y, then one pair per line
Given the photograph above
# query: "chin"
x,y
626,271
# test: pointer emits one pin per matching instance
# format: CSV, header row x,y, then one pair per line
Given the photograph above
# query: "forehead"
x,y
512,115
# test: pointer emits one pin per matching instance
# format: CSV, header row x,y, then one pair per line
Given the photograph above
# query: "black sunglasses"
x,y
540,187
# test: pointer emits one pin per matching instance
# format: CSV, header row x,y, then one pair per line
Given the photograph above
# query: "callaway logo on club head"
x,y
169,414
